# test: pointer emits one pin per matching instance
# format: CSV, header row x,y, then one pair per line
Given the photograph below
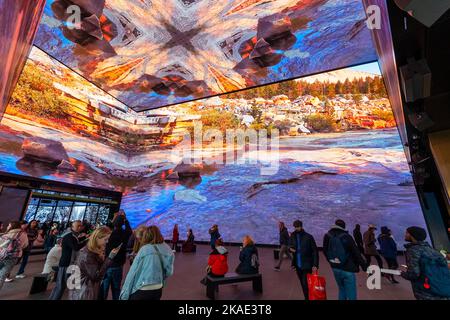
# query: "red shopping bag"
x,y
316,287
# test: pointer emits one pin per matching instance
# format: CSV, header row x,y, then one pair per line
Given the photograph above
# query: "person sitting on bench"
x,y
248,257
188,245
217,261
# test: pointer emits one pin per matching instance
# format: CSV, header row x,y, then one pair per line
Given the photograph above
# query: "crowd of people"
x,y
98,255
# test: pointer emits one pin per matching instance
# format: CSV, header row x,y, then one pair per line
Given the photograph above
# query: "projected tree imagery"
x,y
339,146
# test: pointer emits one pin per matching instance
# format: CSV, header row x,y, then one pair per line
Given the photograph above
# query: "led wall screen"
x,y
153,53
340,155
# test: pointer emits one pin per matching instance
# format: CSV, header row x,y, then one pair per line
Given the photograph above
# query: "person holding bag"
x,y
93,265
150,269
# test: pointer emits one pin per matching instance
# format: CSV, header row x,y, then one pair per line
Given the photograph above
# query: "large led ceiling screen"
x,y
339,153
154,53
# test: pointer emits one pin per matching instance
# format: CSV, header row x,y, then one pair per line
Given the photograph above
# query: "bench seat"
x,y
212,283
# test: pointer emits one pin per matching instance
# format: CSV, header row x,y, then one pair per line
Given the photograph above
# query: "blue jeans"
x,y
23,264
346,282
113,278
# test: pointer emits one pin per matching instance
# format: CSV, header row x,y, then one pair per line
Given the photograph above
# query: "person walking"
x,y
426,268
345,259
370,246
12,245
118,239
93,264
357,236
388,249
284,245
151,268
72,242
214,234
175,237
305,255
248,257
31,230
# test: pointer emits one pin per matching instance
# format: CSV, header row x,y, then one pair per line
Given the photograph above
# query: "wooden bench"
x,y
212,283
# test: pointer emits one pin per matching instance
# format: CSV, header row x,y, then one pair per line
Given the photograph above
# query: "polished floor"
x,y
189,270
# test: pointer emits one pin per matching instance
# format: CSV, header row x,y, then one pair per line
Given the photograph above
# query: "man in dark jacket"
x,y
215,235
305,258
284,245
418,254
357,236
72,242
344,257
119,237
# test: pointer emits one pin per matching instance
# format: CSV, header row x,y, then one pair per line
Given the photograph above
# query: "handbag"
x,y
316,286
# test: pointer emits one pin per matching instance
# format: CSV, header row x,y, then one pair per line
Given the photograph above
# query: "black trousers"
x,y
147,295
377,257
301,274
61,284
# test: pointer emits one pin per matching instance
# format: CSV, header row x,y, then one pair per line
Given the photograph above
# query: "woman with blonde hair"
x,y
248,257
93,264
150,269
137,241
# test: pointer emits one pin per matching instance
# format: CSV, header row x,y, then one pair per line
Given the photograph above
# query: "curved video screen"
x,y
337,152
155,53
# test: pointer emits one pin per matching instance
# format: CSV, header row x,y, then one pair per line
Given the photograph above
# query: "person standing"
x,y
357,236
50,240
93,264
388,249
305,255
12,245
214,234
370,246
345,259
31,230
426,267
72,242
175,237
150,269
119,238
284,244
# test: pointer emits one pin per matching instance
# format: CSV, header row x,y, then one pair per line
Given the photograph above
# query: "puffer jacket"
x,y
388,247
218,261
414,253
92,271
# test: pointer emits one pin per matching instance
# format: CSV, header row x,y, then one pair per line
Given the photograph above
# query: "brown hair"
x,y
99,233
15,225
152,235
138,234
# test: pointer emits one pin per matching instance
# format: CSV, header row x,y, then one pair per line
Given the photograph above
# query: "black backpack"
x,y
336,252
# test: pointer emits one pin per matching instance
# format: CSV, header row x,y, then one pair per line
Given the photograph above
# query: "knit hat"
x,y
385,230
417,233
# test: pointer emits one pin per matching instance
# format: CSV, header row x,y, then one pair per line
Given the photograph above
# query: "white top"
x,y
53,258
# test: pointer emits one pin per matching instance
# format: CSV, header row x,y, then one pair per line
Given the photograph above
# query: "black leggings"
x,y
147,295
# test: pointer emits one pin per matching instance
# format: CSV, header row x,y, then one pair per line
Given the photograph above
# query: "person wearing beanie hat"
x,y
426,269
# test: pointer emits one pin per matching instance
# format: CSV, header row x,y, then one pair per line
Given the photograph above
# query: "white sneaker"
x,y
174,250
9,280
20,276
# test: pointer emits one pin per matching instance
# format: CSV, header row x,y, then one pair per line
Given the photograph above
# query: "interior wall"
x,y
19,21
13,202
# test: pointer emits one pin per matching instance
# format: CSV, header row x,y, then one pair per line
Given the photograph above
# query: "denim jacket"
x,y
146,268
